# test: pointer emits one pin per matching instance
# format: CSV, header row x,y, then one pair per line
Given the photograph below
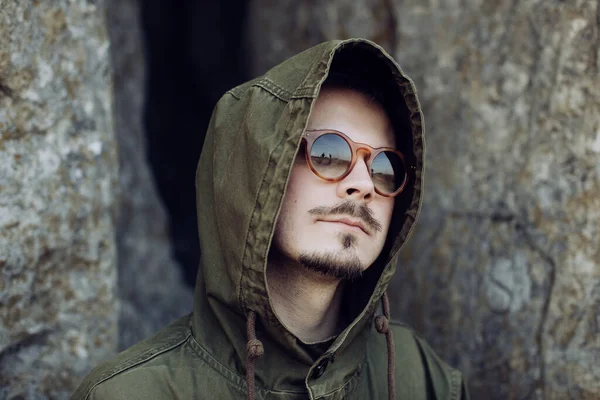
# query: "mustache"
x,y
351,209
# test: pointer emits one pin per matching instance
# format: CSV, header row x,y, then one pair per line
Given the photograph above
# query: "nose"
x,y
357,185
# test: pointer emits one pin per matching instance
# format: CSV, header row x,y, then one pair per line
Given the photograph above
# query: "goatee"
x,y
337,265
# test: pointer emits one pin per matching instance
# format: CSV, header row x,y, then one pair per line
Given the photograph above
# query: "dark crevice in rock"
x,y
539,334
5,90
520,227
194,54
33,339
493,216
150,287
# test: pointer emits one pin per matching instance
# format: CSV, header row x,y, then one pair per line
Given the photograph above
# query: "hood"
x,y
251,143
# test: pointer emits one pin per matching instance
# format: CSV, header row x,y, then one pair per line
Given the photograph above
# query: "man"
x,y
308,185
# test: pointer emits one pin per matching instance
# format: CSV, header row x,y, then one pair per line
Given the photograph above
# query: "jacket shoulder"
x,y
125,362
412,351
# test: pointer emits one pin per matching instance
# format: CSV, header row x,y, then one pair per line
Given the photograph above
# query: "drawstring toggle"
x,y
381,323
255,349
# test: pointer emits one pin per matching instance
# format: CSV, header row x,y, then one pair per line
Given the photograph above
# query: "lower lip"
x,y
341,224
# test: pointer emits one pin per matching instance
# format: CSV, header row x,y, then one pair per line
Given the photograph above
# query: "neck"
x,y
307,303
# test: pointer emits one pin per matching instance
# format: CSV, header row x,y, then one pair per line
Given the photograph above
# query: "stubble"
x,y
343,264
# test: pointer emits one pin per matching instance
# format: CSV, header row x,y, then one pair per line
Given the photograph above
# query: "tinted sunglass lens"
x,y
330,155
388,172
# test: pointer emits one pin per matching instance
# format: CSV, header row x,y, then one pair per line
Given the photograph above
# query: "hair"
x,y
358,68
345,80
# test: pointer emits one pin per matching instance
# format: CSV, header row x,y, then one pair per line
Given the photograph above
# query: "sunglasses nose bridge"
x,y
366,151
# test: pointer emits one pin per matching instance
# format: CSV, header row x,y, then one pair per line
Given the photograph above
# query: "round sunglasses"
x,y
331,155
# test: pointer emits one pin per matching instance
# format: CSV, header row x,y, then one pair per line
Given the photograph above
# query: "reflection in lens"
x,y
330,155
388,172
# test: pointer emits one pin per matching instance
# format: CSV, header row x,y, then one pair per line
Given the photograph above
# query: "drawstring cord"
x,y
382,325
254,349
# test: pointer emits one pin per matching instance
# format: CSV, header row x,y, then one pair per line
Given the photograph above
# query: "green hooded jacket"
x,y
233,343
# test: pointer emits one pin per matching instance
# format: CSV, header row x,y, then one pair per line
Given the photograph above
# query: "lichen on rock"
x,y
58,191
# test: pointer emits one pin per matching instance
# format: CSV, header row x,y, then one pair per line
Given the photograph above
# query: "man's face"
x,y
313,226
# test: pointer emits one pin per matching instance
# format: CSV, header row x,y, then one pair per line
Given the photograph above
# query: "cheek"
x,y
292,203
301,187
385,211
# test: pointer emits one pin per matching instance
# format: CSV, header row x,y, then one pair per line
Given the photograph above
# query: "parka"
x,y
233,346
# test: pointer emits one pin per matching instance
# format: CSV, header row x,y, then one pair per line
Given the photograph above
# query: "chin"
x,y
332,264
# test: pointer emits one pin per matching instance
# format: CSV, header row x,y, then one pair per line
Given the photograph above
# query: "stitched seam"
x,y
455,385
310,91
251,223
345,385
252,217
142,358
233,94
281,143
280,88
223,370
226,372
304,92
273,88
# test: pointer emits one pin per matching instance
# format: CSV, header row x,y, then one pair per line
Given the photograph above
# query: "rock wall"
x,y
502,275
77,198
151,289
58,197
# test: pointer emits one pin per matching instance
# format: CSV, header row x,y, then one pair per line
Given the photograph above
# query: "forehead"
x,y
354,114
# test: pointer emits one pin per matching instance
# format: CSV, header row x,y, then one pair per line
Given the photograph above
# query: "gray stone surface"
x,y
76,199
58,184
151,289
502,275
